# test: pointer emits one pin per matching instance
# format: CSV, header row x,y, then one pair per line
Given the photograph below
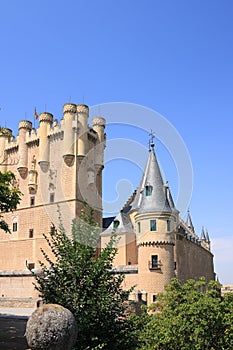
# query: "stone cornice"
x,y
155,243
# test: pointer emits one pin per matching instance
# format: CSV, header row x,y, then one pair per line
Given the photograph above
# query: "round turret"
x,y
5,135
5,132
82,114
81,108
69,112
24,127
46,117
46,120
69,108
98,125
25,124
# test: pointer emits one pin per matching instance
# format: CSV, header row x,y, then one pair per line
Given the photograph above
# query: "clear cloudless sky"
x,y
172,56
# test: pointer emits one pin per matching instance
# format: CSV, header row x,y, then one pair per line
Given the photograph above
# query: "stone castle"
x,y
60,165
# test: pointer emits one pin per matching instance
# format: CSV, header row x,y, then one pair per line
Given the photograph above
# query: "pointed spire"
x,y
207,236
151,194
203,237
189,222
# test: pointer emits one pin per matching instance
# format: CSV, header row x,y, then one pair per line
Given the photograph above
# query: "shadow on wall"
x,y
12,330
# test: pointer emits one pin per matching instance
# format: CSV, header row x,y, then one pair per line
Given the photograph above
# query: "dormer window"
x,y
148,190
116,223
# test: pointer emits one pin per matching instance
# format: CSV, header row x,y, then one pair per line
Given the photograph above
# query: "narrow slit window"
x,y
32,201
52,197
31,233
168,225
15,227
139,227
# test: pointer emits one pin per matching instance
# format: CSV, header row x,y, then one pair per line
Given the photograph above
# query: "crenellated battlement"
x,y
72,130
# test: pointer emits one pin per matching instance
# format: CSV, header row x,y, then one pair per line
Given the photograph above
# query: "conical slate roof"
x,y
151,195
203,236
189,222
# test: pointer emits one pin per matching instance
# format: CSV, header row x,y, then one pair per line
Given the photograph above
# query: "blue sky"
x,y
173,57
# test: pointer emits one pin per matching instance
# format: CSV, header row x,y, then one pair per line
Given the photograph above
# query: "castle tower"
x,y
82,114
98,125
25,127
46,120
154,224
57,167
5,135
69,112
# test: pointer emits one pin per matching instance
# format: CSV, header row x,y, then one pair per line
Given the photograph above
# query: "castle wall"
x,y
192,260
20,286
47,165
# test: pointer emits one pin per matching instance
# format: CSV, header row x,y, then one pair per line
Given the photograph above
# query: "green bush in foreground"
x,y
9,197
82,281
192,316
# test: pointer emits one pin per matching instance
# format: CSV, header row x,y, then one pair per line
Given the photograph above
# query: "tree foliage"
x,y
190,316
82,281
9,197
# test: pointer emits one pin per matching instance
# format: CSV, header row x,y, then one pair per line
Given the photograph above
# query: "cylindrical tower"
x,y
25,126
46,120
98,124
5,134
83,114
69,111
155,240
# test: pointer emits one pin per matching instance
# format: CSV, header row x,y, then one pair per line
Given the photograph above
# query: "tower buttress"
x,y
98,124
46,120
69,111
5,134
25,126
82,114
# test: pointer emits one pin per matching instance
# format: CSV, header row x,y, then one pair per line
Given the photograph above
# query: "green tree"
x,y
190,316
9,197
83,281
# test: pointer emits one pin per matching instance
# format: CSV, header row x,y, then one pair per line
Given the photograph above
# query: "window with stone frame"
x,y
153,225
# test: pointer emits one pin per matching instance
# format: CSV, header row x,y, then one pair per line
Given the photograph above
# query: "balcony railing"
x,y
153,266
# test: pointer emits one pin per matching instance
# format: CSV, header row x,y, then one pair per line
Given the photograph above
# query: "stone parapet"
x,y
69,108
25,124
98,121
81,108
46,117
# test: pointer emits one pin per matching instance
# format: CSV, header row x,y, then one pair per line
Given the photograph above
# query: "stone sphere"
x,y
51,327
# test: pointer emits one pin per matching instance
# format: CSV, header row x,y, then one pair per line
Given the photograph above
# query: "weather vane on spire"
x,y
151,140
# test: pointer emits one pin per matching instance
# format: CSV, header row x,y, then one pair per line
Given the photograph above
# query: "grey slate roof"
x,y
189,222
125,224
157,201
